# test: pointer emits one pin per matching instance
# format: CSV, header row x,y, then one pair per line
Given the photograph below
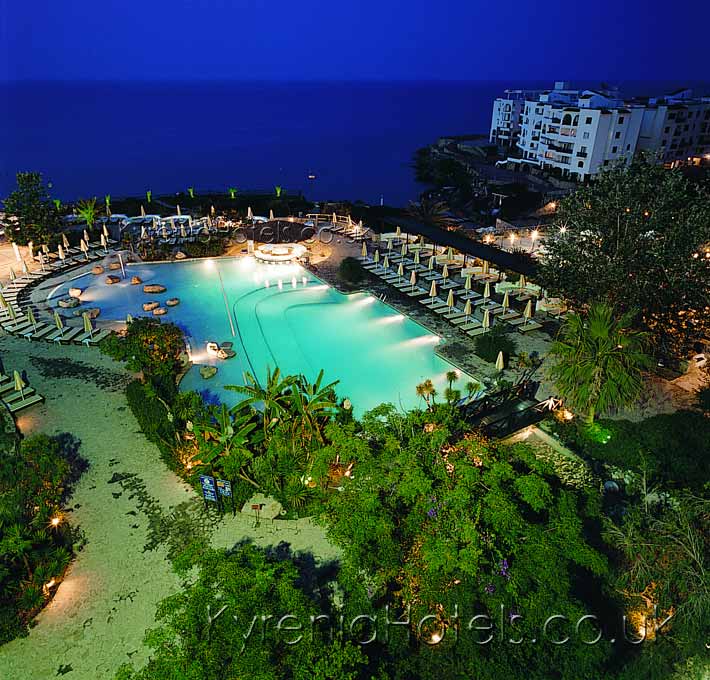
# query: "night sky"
x,y
368,39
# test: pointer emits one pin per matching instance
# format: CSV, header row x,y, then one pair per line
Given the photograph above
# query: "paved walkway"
x,y
132,512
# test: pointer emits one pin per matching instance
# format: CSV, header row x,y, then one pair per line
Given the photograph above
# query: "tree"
x,y
663,550
87,211
433,520
224,443
636,238
204,631
38,218
429,212
148,346
599,361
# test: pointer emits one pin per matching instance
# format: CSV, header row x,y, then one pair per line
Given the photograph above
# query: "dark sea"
x,y
91,139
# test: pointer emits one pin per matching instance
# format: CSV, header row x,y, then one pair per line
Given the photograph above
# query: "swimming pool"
x,y
283,316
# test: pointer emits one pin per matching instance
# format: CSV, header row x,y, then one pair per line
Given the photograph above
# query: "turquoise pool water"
x,y
283,316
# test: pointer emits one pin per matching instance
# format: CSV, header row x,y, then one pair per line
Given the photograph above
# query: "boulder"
x,y
114,266
110,280
172,302
208,372
75,292
150,306
228,353
97,269
154,288
136,280
227,345
68,303
180,255
160,311
93,312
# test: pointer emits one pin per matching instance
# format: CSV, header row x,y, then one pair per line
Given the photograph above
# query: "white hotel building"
x,y
578,133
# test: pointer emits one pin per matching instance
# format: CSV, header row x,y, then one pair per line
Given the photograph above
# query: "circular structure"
x,y
279,253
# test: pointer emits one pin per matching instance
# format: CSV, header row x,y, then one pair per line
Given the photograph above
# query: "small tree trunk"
x,y
590,416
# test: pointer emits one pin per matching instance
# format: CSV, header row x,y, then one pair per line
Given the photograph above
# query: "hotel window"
x,y
617,135
614,149
588,120
667,130
580,164
628,147
621,120
585,135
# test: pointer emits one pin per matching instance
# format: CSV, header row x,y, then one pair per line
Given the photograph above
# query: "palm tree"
x,y
429,212
191,191
87,211
426,391
451,378
471,387
599,361
232,192
223,441
148,195
272,399
277,190
311,406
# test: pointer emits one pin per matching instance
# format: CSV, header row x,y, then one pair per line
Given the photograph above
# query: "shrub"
x,y
673,449
152,416
33,551
704,399
350,271
496,340
148,346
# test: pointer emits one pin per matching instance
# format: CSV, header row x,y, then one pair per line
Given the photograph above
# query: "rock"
x,y
160,311
136,280
113,266
75,292
97,269
154,288
150,306
208,372
229,353
93,312
110,280
172,302
227,345
221,354
180,255
68,303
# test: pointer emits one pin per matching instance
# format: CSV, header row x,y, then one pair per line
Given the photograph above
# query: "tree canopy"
x,y
637,238
37,216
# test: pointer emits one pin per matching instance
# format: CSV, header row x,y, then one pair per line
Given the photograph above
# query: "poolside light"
x,y
563,230
512,238
55,521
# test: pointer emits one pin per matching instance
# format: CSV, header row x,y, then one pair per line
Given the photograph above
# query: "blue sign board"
x,y
209,491
224,487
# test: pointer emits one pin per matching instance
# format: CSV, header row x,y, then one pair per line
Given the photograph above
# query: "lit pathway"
x,y
131,510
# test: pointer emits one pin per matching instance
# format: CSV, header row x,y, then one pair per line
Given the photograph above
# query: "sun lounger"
x,y
437,302
515,322
17,327
40,331
455,314
25,403
7,388
530,326
463,319
475,332
18,396
441,310
92,339
418,292
512,314
471,325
